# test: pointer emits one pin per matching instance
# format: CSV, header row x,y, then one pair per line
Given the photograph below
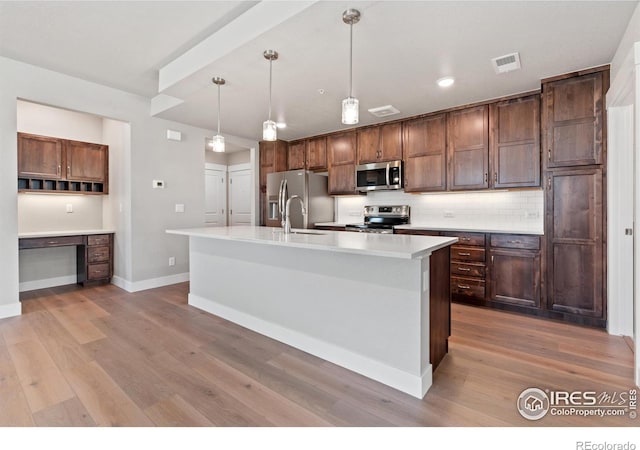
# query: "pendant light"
x,y
350,105
218,140
269,129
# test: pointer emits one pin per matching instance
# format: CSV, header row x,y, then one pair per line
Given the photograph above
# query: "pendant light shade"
x,y
350,105
269,129
218,140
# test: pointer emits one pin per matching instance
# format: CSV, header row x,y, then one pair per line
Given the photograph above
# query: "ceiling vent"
x,y
384,111
506,63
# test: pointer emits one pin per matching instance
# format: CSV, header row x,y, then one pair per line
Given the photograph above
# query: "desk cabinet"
x,y
94,254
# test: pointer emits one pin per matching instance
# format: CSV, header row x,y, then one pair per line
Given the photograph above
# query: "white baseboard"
x,y
414,385
135,286
47,283
10,310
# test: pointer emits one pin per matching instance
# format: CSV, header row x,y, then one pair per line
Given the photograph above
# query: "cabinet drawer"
x,y
98,239
98,271
459,253
55,241
515,241
468,270
98,254
467,287
467,238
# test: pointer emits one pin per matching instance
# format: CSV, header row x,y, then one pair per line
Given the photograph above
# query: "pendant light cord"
x,y
218,110
350,60
270,82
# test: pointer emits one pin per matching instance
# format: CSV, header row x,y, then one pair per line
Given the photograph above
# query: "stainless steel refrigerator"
x,y
310,187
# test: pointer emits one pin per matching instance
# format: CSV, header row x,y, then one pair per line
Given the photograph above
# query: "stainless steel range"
x,y
381,219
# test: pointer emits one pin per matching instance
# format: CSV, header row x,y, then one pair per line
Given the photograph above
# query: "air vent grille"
x,y
384,111
506,63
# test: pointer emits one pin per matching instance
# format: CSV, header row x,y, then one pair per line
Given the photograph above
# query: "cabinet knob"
x,y
464,254
464,286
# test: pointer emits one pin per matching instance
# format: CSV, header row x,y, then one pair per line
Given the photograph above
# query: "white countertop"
x,y
46,234
468,229
370,244
440,228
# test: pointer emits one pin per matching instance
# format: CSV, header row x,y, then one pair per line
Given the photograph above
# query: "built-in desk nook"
x,y
94,251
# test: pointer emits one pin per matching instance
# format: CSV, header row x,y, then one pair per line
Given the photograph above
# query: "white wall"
x,y
631,35
145,213
511,211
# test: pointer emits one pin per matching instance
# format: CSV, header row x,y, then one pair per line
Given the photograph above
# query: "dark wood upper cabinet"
x,y
425,154
380,143
574,121
341,152
39,156
575,235
468,149
341,148
515,142
85,161
316,153
296,156
61,165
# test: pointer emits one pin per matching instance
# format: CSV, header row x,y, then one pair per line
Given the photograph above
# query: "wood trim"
x,y
603,68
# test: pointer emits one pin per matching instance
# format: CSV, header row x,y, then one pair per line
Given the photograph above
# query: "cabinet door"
x,y
39,157
369,145
274,154
342,179
425,150
575,257
391,142
515,277
341,148
574,110
468,147
295,158
317,154
515,142
86,162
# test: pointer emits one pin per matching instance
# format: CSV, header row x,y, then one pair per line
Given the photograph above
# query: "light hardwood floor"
x,y
103,357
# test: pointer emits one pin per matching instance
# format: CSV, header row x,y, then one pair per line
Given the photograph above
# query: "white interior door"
x,y
215,213
240,197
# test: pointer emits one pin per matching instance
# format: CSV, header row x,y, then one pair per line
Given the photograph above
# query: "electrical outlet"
x,y
449,214
69,207
172,260
179,207
531,214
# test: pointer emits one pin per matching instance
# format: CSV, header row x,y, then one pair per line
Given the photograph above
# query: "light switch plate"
x,y
179,207
174,135
69,207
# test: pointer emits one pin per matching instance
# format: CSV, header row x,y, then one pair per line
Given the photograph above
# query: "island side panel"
x,y
439,305
364,313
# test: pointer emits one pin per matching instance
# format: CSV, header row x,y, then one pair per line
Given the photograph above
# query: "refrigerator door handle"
x,y
282,199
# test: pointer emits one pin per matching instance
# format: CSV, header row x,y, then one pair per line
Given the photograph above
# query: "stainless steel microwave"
x,y
378,176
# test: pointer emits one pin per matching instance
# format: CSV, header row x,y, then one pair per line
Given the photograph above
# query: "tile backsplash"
x,y
509,211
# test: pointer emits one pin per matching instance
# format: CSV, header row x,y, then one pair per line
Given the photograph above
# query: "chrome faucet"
x,y
287,219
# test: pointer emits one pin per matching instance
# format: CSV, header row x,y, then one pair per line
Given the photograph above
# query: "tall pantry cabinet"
x,y
574,158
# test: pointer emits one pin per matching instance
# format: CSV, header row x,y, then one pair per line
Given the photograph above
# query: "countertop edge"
x,y
48,234
444,242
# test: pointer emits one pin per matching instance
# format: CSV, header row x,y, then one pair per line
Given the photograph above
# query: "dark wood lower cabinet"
x,y
515,277
94,254
576,244
512,277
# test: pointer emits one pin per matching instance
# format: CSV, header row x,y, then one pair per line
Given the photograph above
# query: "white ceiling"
x,y
400,50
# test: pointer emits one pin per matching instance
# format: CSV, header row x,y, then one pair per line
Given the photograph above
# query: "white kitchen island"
x,y
375,304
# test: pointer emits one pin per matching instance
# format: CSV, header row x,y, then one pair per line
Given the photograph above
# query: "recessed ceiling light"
x,y
446,81
281,125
